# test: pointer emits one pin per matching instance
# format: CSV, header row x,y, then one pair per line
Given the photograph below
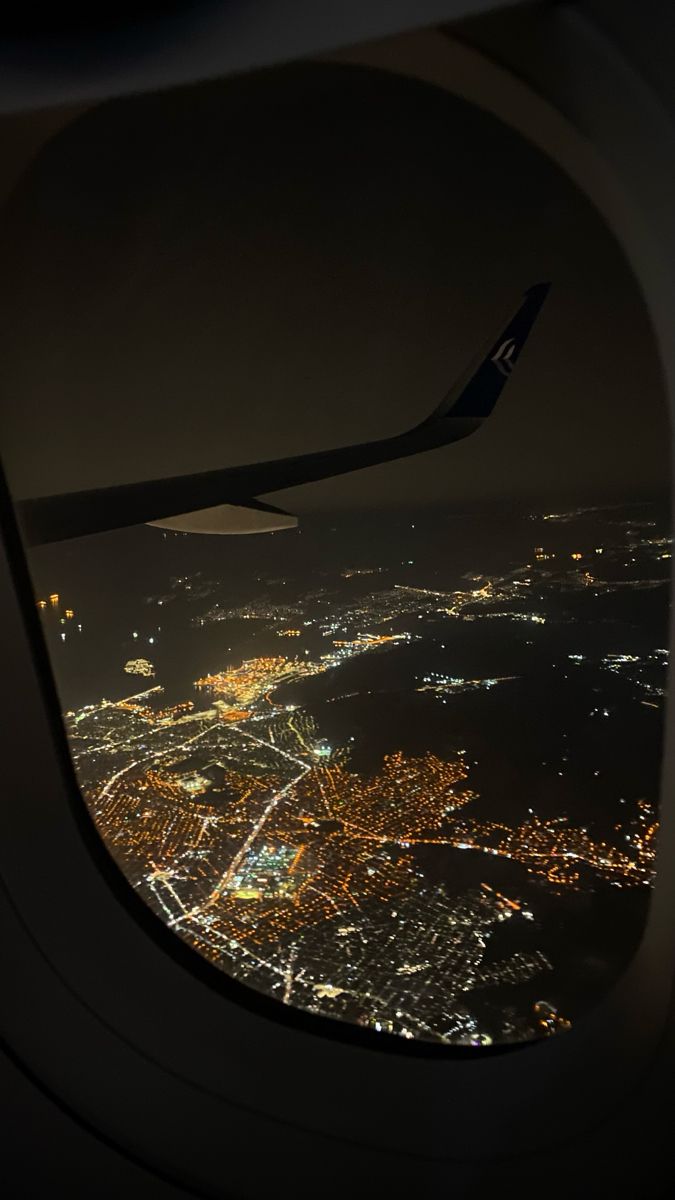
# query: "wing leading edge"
x,y
157,501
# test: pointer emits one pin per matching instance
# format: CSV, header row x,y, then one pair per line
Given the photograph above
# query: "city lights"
x,y
390,823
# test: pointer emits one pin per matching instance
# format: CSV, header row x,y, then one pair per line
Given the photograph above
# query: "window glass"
x,y
398,765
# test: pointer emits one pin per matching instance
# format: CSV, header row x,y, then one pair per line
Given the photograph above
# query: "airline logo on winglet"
x,y
503,358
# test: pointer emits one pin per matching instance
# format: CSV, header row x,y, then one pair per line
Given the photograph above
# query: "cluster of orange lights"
x,y
408,798
247,683
155,716
560,852
345,835
54,601
235,714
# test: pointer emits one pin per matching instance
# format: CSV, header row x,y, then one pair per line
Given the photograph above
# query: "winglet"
x,y
475,394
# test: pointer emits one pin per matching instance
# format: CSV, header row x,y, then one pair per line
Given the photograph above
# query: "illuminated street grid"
x,y
254,840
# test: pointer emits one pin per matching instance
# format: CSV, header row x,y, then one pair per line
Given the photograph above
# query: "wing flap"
x,y
230,519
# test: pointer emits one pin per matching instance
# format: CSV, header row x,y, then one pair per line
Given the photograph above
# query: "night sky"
x,y
301,259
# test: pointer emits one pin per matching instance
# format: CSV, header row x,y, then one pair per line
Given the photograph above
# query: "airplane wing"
x,y
225,500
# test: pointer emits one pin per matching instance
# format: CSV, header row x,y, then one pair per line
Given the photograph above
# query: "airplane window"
x,y
376,731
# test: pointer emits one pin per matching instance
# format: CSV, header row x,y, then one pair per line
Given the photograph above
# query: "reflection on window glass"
x,y
412,791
